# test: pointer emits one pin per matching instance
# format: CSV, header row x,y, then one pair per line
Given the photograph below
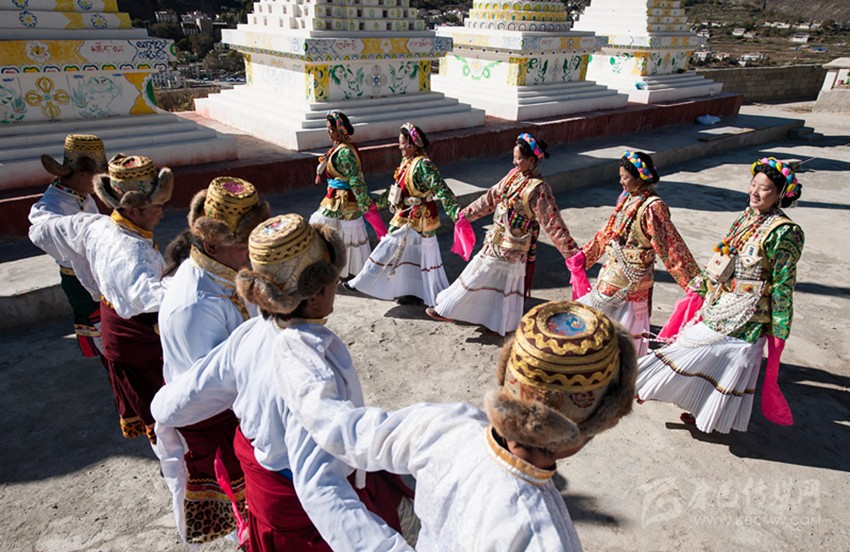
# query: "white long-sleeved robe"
x,y
126,267
198,312
471,493
240,374
56,203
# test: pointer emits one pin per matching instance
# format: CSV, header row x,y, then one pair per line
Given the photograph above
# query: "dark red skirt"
x,y
133,355
276,519
209,513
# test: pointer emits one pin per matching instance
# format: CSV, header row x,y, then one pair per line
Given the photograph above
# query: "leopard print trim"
x,y
209,514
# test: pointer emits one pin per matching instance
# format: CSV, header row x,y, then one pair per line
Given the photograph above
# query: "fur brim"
x,y
530,423
336,245
161,194
535,424
261,290
54,167
215,231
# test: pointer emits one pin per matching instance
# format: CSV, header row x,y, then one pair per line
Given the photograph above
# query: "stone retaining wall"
x,y
767,84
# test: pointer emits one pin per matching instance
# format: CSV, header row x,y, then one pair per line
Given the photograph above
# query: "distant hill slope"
x,y
723,10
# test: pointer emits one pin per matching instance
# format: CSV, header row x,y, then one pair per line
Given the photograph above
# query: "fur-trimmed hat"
x,y
77,148
291,260
568,374
133,182
227,211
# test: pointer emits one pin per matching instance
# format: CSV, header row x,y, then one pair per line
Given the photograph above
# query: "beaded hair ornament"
x,y
532,143
791,183
338,124
644,171
414,135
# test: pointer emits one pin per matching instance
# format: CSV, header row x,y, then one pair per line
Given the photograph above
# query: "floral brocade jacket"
x,y
520,208
769,262
421,186
651,234
347,197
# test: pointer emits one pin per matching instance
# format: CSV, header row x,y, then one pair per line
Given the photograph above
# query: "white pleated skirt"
x,y
634,316
356,240
418,271
715,382
489,292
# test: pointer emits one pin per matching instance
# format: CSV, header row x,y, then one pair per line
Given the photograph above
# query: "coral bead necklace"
x,y
741,231
624,220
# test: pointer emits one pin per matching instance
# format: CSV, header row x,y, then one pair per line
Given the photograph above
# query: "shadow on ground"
x,y
59,415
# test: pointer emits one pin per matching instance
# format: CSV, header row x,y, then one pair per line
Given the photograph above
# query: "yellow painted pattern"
x,y
640,67
384,46
110,5
425,76
249,68
59,52
318,82
75,20
141,107
46,96
517,71
124,21
583,69
64,6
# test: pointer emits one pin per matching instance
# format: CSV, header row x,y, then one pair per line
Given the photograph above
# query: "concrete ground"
x,y
71,483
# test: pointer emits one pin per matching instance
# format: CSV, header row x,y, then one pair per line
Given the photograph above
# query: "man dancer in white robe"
x,y
126,267
568,375
200,310
287,477
69,193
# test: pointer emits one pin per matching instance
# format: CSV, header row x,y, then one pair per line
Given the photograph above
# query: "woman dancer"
x,y
347,201
407,265
712,368
490,289
639,229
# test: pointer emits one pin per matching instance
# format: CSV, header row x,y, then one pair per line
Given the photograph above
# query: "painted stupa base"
x,y
164,137
658,88
301,125
520,75
379,80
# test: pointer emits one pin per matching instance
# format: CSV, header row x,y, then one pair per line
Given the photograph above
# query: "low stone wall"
x,y
769,84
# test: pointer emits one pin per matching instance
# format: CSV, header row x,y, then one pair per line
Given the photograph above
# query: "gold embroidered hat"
x,y
568,374
227,211
291,260
83,152
132,181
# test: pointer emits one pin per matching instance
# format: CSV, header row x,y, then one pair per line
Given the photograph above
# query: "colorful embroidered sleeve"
x,y
595,248
427,176
668,243
383,200
783,248
484,205
542,203
345,161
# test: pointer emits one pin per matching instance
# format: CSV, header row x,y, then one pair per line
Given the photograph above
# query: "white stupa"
x,y
369,58
649,45
521,60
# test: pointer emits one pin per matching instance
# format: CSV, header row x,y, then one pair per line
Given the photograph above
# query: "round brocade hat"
x,y
227,211
568,374
290,259
133,181
77,148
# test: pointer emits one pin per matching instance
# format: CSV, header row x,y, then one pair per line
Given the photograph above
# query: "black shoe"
x,y
408,300
348,286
